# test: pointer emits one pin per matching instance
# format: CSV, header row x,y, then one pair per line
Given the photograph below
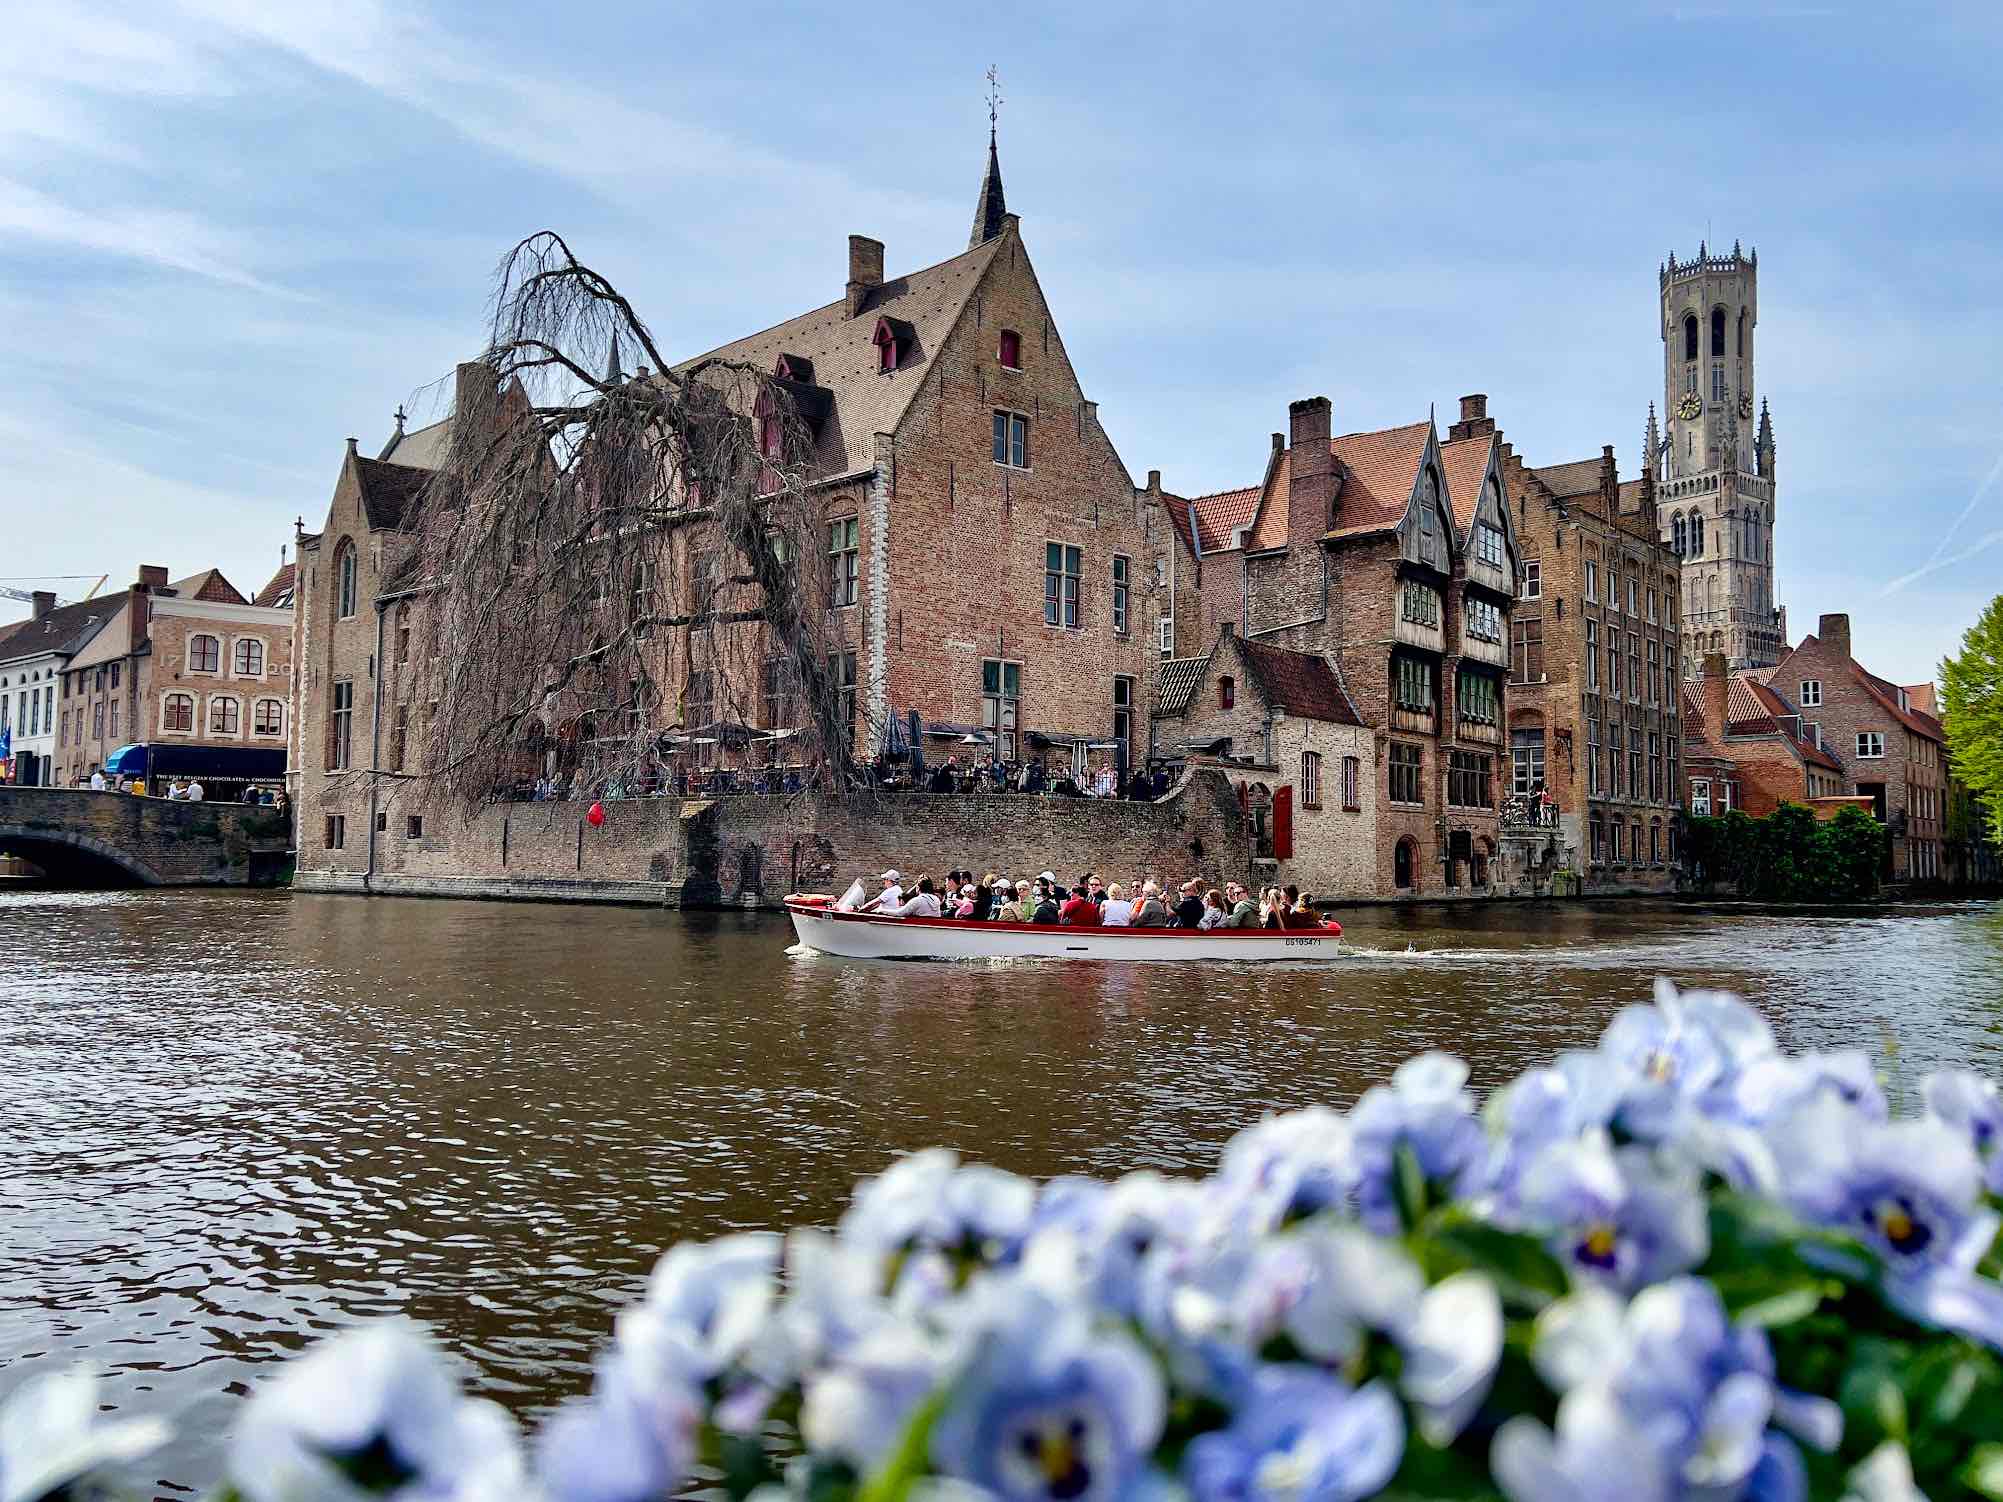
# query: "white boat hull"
x,y
870,936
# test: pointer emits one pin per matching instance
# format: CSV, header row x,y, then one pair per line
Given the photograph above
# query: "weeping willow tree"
x,y
610,574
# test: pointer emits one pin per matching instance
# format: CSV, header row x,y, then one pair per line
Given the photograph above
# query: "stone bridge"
x,y
84,838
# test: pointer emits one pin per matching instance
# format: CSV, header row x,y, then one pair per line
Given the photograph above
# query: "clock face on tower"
x,y
1689,409
1745,404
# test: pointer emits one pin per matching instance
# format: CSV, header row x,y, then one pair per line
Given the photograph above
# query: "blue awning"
x,y
126,761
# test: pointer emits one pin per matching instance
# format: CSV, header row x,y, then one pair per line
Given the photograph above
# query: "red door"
x,y
1283,824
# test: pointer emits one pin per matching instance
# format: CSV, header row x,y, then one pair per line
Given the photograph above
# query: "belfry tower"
x,y
1714,469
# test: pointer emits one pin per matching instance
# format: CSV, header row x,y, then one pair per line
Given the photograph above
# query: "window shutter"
x,y
1283,824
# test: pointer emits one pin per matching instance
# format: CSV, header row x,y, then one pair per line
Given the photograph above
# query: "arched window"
x,y
269,717
1401,865
178,713
1690,336
205,653
1742,333
1679,533
1227,692
1717,333
249,658
1011,350
225,715
345,581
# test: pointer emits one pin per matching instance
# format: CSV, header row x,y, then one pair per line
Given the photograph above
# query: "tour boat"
x,y
876,936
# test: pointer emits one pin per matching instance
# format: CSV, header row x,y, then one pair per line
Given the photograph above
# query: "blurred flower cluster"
x,y
1683,1264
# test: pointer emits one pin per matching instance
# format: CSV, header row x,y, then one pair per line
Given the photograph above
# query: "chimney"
x,y
45,601
865,270
151,576
1311,471
1227,629
1475,421
1835,632
1715,689
1609,481
1154,482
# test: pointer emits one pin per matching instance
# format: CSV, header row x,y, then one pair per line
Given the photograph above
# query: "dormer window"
x,y
893,340
795,368
1010,350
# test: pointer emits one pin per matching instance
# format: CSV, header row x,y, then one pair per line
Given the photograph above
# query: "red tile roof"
x,y
1772,707
1378,472
1915,717
280,585
1217,517
1923,698
1465,461
1304,684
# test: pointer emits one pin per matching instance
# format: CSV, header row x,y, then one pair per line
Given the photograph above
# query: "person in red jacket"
x,y
1080,910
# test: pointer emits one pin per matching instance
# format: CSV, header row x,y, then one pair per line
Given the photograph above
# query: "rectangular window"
x,y
1613,589
1526,650
97,720
337,831
1654,767
1310,779
1165,635
1634,764
844,559
1811,693
1533,579
1121,570
1654,673
1599,842
1633,596
1412,683
1870,743
1480,700
223,717
1526,761
1593,758
1613,664
1407,767
1592,582
340,726
1063,568
1616,744
1012,440
1651,607
1001,698
399,728
114,718
1484,620
780,703
1633,668
1488,544
1700,796
1123,718
1592,657
413,827
841,669
1419,603
1470,780
1717,383
1352,782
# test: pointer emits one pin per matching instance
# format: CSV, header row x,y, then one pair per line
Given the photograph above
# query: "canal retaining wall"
x,y
749,850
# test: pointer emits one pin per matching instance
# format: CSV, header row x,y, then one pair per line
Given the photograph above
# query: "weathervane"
x,y
995,100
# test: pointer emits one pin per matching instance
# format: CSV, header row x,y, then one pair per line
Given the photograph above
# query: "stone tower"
x,y
1714,470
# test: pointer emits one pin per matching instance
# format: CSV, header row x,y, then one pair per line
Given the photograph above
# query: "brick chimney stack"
x,y
151,576
1311,470
865,270
45,601
1715,689
1835,632
1475,421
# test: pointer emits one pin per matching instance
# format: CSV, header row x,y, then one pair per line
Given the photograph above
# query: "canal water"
x,y
233,1121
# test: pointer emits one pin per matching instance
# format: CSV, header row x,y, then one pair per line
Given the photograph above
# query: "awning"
x,y
1058,738
948,730
1212,746
126,761
729,732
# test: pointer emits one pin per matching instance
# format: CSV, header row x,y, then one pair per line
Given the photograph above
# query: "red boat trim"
x,y
823,908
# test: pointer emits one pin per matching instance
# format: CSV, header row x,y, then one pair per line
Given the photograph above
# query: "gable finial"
x,y
995,100
400,415
992,207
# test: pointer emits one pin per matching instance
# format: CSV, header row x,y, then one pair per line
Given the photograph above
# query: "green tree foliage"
x,y
1972,682
1790,856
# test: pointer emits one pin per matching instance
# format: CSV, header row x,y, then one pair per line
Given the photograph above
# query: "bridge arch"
x,y
68,854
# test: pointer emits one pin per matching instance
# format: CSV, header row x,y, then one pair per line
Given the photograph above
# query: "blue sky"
x,y
234,233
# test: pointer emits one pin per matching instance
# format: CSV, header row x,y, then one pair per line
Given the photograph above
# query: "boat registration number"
x,y
1303,943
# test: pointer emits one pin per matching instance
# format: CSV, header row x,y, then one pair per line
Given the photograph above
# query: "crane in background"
x,y
26,597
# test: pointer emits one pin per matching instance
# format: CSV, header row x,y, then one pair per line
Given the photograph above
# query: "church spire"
x,y
614,376
1651,442
1763,442
992,206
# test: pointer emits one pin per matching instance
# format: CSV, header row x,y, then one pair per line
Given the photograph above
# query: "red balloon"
x,y
596,815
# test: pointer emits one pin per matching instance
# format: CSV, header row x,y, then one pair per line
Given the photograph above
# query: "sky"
x,y
234,234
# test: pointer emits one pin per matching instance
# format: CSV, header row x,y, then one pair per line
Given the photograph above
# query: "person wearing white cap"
x,y
891,895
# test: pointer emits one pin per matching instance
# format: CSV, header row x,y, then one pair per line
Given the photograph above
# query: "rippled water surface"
x,y
230,1121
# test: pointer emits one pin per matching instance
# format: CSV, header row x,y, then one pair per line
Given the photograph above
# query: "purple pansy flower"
x,y
1427,1109
1618,1216
1974,1106
1300,1436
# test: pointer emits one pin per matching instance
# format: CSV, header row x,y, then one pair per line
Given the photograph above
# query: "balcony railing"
x,y
1527,811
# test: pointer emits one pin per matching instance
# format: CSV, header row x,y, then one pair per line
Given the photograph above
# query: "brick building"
x,y
1295,748
1594,704
1891,750
33,654
1392,557
190,663
1749,750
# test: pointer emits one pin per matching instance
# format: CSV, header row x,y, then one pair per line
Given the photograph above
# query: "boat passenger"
x,y
924,903
1189,908
1214,915
1079,910
969,897
1300,913
1095,888
1244,911
1150,911
889,897
1116,911
1046,910
1018,909
1272,909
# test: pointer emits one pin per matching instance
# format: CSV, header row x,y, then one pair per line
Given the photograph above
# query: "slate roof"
x,y
279,591
1465,463
65,629
1217,517
1175,683
866,400
1580,477
389,492
1305,685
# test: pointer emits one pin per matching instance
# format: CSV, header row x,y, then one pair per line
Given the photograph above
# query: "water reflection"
x,y
236,1120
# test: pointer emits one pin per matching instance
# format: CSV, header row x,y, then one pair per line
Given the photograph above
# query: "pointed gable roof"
x,y
1175,683
208,585
866,399
278,592
992,207
1464,461
424,449
1378,472
389,492
1215,518
1300,682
